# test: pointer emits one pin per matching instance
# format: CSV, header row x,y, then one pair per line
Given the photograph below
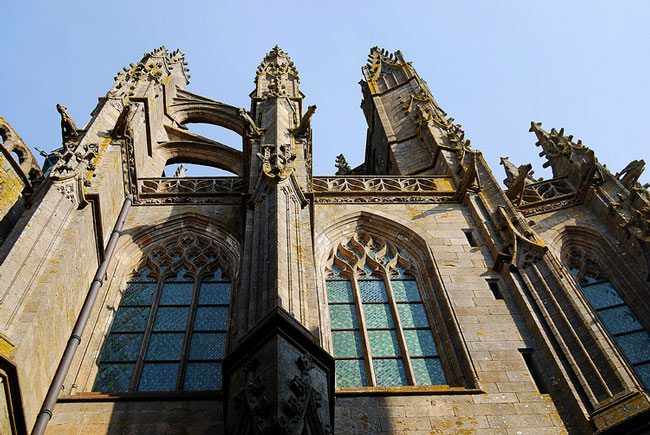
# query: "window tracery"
x,y
613,312
381,331
169,331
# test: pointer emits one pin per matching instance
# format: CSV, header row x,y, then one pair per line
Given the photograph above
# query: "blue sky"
x,y
492,65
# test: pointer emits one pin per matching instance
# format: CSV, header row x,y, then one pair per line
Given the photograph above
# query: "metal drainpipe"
x,y
75,338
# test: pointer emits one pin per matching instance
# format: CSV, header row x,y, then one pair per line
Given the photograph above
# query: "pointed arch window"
x,y
381,331
169,331
615,315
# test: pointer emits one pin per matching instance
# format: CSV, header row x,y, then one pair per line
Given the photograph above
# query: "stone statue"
x,y
69,129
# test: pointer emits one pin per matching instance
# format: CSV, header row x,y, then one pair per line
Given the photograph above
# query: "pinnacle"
x,y
277,58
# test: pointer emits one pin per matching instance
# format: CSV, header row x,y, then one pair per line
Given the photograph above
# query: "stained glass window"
x,y
169,331
381,334
616,316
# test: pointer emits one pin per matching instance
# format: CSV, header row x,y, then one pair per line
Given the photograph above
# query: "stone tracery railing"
x,y
185,189
383,189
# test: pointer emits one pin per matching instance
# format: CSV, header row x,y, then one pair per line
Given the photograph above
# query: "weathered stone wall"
x,y
11,186
138,417
491,328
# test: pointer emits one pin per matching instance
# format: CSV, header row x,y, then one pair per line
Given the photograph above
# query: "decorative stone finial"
x,y
180,171
342,165
277,75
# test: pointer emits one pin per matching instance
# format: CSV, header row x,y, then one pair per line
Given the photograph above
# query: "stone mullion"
x,y
399,330
188,334
364,332
137,370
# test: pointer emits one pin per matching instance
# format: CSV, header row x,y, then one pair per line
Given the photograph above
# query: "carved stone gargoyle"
x,y
252,130
630,175
516,180
305,122
69,130
123,128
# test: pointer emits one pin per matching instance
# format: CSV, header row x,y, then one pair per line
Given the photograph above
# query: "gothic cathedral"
x,y
413,293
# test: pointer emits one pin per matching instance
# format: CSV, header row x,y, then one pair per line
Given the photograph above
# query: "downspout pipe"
x,y
45,415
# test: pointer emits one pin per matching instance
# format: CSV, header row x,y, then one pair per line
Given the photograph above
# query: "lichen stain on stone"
x,y
461,421
364,421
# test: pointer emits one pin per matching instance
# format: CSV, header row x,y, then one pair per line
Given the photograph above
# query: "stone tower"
x,y
412,293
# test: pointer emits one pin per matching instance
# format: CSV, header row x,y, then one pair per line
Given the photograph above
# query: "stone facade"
x,y
502,274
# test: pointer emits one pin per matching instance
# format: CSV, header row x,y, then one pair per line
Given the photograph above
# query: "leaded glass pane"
x,y
378,316
165,346
181,274
213,293
343,317
121,347
158,377
336,271
389,372
420,342
428,371
171,319
589,279
401,273
383,343
347,344
406,291
208,345
412,316
635,346
372,290
176,293
112,378
339,291
602,295
351,373
619,319
130,319
138,293
211,319
143,275
202,376
217,275
644,373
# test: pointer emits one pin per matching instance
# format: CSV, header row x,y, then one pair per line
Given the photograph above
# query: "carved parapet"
x,y
189,190
278,380
383,189
546,195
